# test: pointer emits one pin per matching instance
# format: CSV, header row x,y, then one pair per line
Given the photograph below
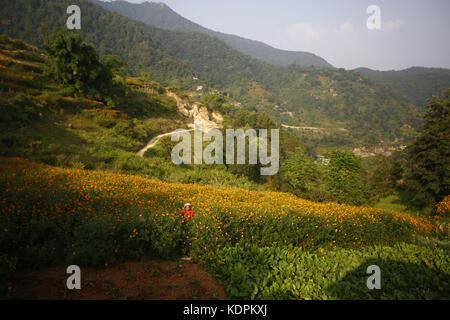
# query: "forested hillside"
x,y
91,116
160,15
416,83
329,98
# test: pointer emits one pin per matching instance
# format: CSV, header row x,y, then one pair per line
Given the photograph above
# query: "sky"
x,y
412,32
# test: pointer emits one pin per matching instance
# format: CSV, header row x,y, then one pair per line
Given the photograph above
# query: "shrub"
x,y
97,242
443,207
407,272
124,129
164,233
104,120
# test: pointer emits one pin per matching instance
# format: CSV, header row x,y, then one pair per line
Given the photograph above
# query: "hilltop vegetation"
x,y
328,98
417,83
39,110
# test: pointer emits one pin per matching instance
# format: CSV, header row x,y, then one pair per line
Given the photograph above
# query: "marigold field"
x,y
257,244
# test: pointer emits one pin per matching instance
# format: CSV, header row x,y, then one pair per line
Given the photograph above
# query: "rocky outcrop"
x,y
197,113
192,111
217,117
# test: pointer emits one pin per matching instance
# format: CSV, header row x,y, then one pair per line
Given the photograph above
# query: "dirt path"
x,y
155,140
304,128
312,128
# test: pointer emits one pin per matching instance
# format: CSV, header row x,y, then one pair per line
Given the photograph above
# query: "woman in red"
x,y
187,212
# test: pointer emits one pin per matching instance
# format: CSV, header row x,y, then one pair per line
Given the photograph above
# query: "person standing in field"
x,y
187,215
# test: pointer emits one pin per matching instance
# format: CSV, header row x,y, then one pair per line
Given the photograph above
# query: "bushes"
x,y
217,177
36,243
407,272
301,229
124,129
158,235
19,110
53,220
302,176
104,120
54,215
42,243
131,163
443,207
164,233
344,178
96,243
339,181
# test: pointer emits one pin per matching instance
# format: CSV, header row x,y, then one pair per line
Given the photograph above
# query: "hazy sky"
x,y
413,32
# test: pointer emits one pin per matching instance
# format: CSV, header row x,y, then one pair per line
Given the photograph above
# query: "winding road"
x,y
155,140
312,128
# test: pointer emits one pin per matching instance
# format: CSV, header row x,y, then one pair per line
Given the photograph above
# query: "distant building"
x,y
322,160
362,152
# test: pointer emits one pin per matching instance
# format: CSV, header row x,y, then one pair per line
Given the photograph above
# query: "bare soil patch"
x,y
158,280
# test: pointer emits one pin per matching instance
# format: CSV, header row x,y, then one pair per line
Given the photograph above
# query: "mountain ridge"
x,y
408,82
162,16
417,83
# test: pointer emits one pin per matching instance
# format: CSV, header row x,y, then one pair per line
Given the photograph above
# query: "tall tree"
x,y
428,166
75,62
344,178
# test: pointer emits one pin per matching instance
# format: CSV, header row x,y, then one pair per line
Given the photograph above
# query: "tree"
x,y
380,174
76,63
302,176
115,65
344,178
428,164
263,121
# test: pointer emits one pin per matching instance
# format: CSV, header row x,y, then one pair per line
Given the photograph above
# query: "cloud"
x,y
392,25
304,31
337,44
346,27
309,33
349,46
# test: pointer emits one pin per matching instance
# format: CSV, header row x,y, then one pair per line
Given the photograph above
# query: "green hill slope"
x,y
329,98
47,121
110,33
416,83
